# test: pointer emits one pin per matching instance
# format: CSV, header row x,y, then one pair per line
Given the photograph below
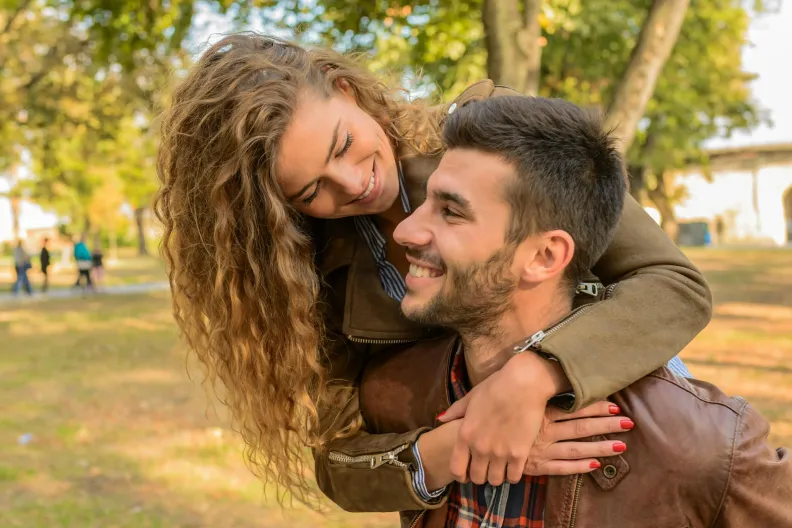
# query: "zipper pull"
x,y
388,458
530,342
384,458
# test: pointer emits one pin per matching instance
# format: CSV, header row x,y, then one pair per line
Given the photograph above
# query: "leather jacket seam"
x,y
697,396
737,431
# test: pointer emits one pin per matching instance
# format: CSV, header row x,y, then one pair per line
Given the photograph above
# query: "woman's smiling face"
x,y
335,160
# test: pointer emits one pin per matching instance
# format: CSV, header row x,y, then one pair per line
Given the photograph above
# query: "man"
x,y
525,199
44,257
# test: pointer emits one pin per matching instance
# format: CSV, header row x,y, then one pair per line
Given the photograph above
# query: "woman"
x,y
82,256
284,172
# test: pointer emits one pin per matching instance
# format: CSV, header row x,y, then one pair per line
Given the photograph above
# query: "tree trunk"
x,y
113,244
16,203
531,46
655,42
513,47
142,249
637,174
659,197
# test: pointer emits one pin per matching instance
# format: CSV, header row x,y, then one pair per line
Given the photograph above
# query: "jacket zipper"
x,y
376,460
536,339
579,478
575,498
417,518
370,341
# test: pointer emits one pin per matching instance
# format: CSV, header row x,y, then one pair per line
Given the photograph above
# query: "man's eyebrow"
x,y
448,196
333,143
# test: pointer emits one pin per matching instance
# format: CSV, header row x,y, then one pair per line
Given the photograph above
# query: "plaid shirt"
x,y
470,505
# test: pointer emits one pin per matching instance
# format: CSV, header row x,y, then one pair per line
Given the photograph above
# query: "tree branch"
x,y
21,7
655,42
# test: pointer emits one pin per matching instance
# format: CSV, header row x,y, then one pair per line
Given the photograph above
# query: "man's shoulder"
x,y
688,423
690,390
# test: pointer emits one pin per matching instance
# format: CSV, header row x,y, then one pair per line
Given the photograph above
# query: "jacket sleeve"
x,y
759,491
658,303
362,472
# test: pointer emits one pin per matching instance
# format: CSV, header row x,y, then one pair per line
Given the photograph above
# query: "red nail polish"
x,y
614,409
440,415
595,465
619,447
627,424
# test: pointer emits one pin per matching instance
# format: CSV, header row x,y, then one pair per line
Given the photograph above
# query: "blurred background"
x,y
102,420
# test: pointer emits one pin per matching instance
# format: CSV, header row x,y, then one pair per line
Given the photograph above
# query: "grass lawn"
x,y
747,349
121,437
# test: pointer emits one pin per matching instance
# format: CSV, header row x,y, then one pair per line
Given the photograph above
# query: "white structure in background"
x,y
749,199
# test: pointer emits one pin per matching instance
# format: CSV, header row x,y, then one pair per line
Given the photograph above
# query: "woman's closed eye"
x,y
307,200
347,143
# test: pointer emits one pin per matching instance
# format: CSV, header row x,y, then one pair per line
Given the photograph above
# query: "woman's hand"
x,y
555,452
504,416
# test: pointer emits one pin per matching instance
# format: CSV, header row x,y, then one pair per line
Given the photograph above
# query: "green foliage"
x,y
702,92
79,79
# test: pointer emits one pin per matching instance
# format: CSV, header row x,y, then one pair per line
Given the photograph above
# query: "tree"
x,y
657,38
514,48
697,97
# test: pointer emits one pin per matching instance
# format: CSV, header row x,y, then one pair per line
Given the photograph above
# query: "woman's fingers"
x,y
570,458
562,451
603,408
586,427
563,467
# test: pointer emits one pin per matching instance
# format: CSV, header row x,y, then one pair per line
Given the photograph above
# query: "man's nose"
x,y
413,231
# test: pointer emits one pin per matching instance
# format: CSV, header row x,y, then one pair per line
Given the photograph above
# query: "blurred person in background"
x,y
84,263
97,261
44,258
21,266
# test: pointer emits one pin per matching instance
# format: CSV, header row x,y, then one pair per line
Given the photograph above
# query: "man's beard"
x,y
480,294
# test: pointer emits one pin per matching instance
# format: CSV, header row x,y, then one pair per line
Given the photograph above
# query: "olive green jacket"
x,y
659,303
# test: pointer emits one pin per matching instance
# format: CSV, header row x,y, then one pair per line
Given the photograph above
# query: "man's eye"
x,y
449,213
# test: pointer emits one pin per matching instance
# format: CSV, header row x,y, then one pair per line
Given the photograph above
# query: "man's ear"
x,y
550,254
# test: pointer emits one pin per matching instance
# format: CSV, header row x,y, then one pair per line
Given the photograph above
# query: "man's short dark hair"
x,y
570,175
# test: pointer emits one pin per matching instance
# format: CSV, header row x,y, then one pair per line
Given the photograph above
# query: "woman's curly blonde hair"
x,y
240,262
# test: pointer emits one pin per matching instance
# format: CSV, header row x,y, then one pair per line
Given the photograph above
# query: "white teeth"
x,y
420,271
368,189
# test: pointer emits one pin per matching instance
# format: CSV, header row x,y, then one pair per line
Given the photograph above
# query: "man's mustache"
x,y
428,258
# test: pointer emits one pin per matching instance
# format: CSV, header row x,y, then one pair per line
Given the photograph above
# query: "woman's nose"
x,y
350,180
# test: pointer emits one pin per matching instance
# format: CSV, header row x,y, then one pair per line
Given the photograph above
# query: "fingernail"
x,y
595,465
440,415
614,409
619,447
627,424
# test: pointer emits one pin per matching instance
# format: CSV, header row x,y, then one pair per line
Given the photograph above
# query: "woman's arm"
x,y
656,304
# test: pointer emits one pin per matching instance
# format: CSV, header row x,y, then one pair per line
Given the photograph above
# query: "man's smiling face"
x,y
460,264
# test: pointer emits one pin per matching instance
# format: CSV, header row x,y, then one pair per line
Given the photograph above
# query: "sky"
x,y
771,47
771,38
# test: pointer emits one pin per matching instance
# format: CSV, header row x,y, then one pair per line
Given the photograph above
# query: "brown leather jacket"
x,y
696,457
659,304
